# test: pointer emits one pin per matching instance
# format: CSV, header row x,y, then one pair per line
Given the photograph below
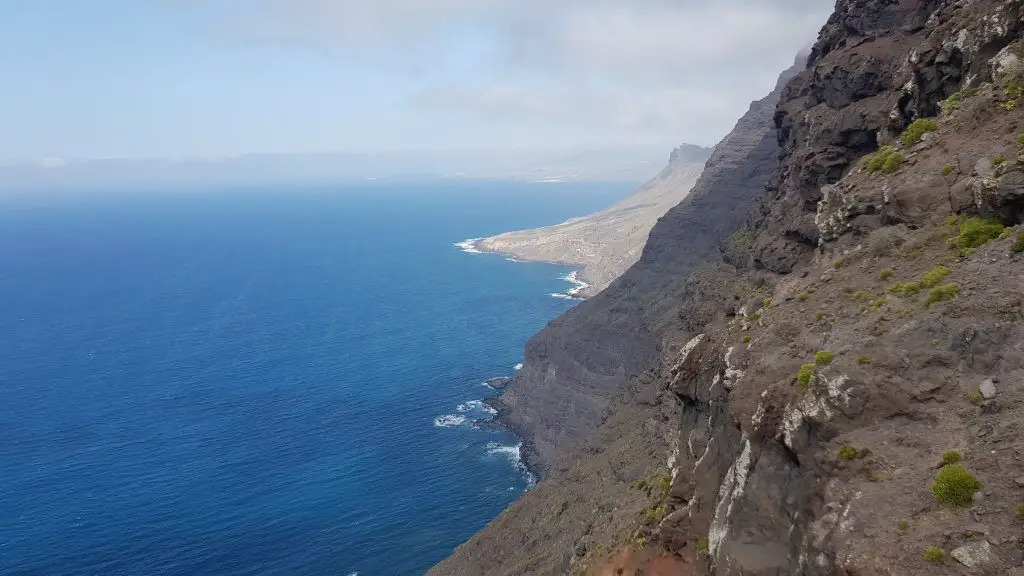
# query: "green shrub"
x,y
863,360
955,100
917,129
903,524
933,277
1005,234
823,358
847,452
944,292
804,375
803,296
998,160
654,514
951,457
1018,246
819,315
885,274
887,160
935,555
1020,512
746,339
915,254
906,288
1020,140
955,485
975,232
665,484
702,545
838,264
947,170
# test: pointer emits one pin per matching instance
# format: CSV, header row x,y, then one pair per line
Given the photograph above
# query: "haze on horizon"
x,y
215,78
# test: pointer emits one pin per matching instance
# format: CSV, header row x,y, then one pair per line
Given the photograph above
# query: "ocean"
x,y
276,381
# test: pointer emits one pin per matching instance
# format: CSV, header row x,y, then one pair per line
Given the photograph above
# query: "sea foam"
x,y
469,246
514,455
449,421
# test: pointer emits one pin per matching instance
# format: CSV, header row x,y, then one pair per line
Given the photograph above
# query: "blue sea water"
x,y
249,381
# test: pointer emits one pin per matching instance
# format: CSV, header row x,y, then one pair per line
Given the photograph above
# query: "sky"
x,y
186,78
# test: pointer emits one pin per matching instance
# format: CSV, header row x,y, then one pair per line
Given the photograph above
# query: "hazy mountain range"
x,y
607,164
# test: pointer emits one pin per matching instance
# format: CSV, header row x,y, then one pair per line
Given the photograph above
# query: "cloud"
x,y
684,69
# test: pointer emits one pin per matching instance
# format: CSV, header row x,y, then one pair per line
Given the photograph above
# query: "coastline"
x,y
497,409
578,278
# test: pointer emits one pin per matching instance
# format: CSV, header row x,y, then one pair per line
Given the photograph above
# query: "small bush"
x,y
885,274
998,160
863,360
1020,140
837,264
935,555
887,160
975,232
916,131
655,514
906,288
1005,234
665,484
955,100
903,524
933,277
819,315
942,293
848,290
823,358
746,339
915,254
973,396
804,375
951,457
1020,512
1018,246
702,545
847,452
947,170
803,296
955,485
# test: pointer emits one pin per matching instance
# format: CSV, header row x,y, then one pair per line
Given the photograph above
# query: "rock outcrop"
x,y
835,389
608,242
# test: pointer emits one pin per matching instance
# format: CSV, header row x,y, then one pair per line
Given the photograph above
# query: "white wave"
x,y
519,366
514,454
578,285
449,421
469,246
561,296
511,259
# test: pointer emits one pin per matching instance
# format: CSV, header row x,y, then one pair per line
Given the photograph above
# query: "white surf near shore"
x,y
514,454
469,246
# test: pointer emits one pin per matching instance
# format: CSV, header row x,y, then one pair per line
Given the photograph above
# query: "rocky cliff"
x,y
608,242
835,389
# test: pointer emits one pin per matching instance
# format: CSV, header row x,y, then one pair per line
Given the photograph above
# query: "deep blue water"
x,y
247,381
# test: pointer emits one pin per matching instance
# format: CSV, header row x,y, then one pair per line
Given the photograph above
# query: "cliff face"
x,y
840,393
583,359
813,426
608,242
